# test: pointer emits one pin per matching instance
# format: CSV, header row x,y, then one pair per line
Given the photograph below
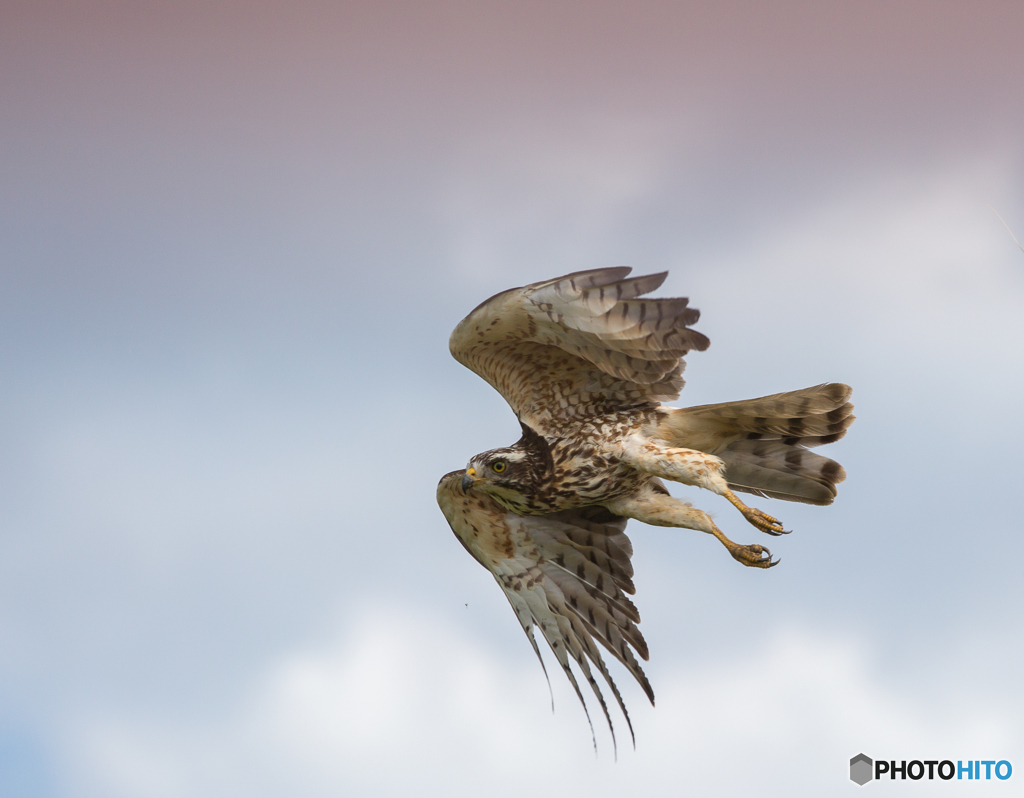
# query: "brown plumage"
x,y
764,442
566,573
584,363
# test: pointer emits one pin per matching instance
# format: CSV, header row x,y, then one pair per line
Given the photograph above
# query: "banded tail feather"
x,y
765,442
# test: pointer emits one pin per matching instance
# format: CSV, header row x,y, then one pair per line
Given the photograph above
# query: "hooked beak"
x,y
469,479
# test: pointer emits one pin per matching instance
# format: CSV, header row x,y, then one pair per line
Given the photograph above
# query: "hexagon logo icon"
x,y
861,769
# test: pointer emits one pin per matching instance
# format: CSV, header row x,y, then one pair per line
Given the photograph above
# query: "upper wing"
x,y
579,344
567,573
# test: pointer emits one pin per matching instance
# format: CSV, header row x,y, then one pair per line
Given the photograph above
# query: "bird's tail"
x,y
764,442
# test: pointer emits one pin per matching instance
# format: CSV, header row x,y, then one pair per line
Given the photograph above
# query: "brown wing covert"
x,y
579,345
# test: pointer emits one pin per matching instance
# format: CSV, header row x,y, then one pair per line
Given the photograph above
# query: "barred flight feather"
x,y
565,573
596,337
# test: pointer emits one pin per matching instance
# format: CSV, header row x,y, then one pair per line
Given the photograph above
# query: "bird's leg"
x,y
761,520
691,467
653,505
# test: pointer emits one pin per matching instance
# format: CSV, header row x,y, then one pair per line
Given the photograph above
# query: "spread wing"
x,y
566,573
579,345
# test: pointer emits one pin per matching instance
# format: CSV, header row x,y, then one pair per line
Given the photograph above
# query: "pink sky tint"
x,y
383,70
125,120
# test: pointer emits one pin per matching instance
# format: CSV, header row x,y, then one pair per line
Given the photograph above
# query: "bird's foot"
x,y
766,523
752,556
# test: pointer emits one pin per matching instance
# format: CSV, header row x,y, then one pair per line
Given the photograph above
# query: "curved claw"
x,y
766,523
753,556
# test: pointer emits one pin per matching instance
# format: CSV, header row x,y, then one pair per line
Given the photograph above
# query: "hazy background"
x,y
234,239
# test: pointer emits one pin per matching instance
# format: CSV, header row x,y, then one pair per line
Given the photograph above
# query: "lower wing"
x,y
566,573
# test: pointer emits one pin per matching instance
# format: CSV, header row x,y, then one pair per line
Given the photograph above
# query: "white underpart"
x,y
687,466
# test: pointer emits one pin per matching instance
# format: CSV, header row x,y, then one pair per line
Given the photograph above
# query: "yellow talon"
x,y
763,521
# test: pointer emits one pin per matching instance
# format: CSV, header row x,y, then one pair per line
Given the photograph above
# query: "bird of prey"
x,y
585,363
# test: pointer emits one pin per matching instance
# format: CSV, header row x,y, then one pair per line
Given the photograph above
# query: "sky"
x,y
234,239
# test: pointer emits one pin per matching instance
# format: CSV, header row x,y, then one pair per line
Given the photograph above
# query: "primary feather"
x,y
567,573
580,344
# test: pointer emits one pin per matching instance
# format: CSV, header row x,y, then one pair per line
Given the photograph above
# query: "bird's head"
x,y
511,474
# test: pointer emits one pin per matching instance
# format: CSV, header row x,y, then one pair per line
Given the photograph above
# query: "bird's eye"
x,y
498,466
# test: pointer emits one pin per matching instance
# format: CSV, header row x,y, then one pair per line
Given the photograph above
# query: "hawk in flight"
x,y
585,363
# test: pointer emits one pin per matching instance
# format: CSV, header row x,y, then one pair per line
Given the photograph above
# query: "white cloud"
x,y
894,244
401,704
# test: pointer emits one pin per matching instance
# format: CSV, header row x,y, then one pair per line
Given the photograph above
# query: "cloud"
x,y
400,703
